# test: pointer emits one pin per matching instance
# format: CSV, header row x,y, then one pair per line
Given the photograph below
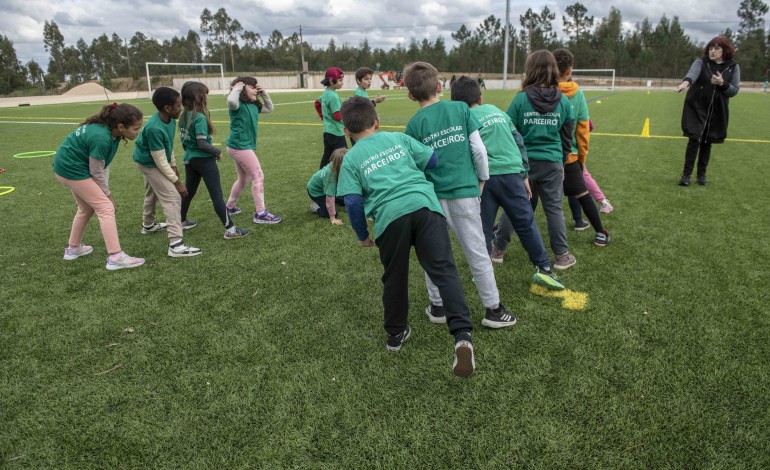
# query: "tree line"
x,y
659,50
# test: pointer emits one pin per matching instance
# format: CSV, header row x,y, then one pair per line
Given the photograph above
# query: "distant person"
x,y
328,108
322,188
710,83
201,157
508,185
154,157
82,164
383,177
452,131
364,82
244,105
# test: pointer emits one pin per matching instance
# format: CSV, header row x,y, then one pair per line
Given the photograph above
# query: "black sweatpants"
x,y
331,143
427,232
207,169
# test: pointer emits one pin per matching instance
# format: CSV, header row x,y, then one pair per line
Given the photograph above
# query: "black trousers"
x,y
206,169
699,150
427,232
331,143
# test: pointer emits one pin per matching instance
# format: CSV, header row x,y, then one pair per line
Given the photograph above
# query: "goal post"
x,y
193,68
595,78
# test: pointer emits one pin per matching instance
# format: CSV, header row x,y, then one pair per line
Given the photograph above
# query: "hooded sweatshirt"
x,y
582,130
545,119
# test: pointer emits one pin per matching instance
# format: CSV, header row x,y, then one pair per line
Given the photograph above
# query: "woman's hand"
x,y
717,79
683,86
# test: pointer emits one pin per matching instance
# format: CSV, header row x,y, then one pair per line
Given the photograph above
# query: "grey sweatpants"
x,y
547,181
463,216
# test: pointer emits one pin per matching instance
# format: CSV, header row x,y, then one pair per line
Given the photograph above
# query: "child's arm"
x,y
582,135
566,139
99,173
332,209
354,203
168,170
205,146
268,103
319,109
480,158
522,149
234,98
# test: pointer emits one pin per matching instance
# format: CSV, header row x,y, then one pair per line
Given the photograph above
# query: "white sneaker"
x,y
156,227
314,207
122,260
180,250
606,207
74,253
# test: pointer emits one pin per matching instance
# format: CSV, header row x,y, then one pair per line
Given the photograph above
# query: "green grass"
x,y
269,351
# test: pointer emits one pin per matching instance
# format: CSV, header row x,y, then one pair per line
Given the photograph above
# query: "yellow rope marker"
x,y
6,189
571,300
646,128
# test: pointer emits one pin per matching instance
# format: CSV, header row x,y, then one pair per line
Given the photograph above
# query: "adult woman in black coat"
x,y
710,83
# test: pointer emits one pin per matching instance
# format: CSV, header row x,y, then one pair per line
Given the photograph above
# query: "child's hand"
x,y
367,243
379,99
336,221
528,188
180,188
259,88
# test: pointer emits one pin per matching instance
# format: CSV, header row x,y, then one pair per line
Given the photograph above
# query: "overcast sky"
x,y
383,23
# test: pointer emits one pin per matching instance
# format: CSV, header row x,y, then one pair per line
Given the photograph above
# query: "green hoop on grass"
x,y
35,154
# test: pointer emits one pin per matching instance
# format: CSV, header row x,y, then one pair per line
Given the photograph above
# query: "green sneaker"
x,y
547,279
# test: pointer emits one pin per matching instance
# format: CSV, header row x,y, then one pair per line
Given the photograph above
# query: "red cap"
x,y
334,73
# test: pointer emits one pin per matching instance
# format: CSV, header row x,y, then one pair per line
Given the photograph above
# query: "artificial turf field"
x,y
268,351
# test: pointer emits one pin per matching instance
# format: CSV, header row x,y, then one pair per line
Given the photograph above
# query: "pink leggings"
x,y
248,168
593,188
91,199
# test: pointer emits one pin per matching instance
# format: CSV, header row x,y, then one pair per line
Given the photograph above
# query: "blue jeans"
x,y
508,192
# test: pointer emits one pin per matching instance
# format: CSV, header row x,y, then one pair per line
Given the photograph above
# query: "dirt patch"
x,y
87,89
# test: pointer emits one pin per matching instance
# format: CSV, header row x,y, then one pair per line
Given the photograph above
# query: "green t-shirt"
x,y
155,135
580,111
541,132
189,135
361,92
497,134
87,141
445,127
243,127
387,169
330,104
323,183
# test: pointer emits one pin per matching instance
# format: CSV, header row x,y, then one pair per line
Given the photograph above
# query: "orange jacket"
x,y
582,129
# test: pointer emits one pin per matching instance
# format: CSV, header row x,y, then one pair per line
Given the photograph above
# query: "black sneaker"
x,y
465,362
435,313
581,225
701,180
395,341
684,180
498,319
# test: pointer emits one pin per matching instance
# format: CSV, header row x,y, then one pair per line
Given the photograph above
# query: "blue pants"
x,y
508,192
321,201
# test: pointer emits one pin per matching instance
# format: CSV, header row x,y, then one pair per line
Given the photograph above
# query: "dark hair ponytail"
x,y
114,114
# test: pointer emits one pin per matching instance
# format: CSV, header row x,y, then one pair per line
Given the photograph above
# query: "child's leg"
x,y
249,163
321,203
550,189
150,200
434,251
463,217
576,209
91,199
209,171
331,143
504,233
517,207
242,176
490,203
169,198
593,188
575,186
395,246
191,180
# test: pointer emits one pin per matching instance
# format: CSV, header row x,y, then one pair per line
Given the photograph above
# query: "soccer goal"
x,y
173,74
595,78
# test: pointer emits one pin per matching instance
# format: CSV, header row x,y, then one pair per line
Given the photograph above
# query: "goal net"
x,y
595,78
172,74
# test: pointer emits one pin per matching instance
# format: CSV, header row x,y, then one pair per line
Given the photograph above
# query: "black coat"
x,y
706,113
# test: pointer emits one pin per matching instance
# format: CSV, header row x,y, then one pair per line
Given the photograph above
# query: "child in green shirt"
x,y
453,133
364,82
322,188
382,177
328,108
154,156
508,185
